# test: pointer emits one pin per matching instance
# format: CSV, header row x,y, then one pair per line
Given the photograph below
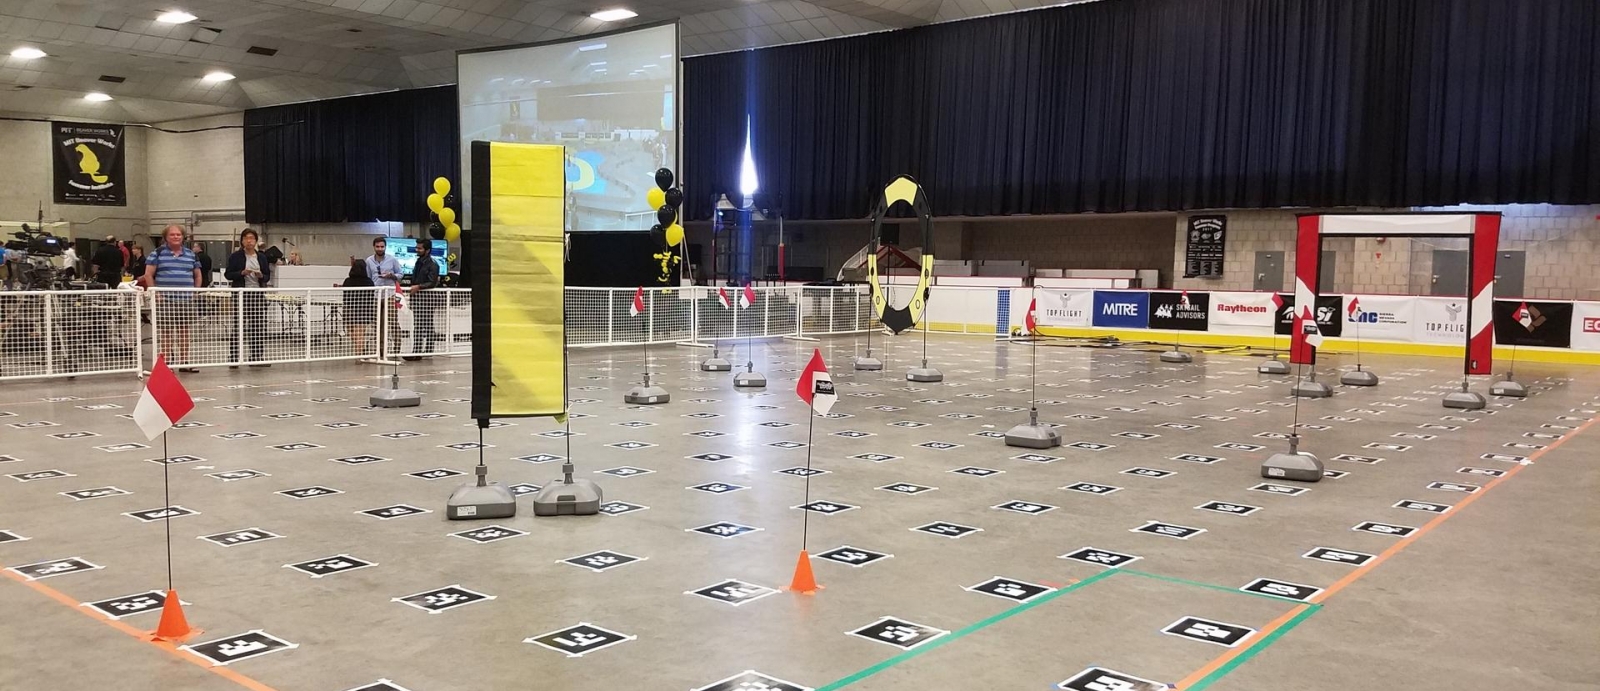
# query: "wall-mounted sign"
x,y
89,167
1204,245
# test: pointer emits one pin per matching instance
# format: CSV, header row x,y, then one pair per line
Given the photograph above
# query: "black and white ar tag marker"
x,y
1100,557
96,493
441,599
1229,508
1283,589
1239,447
732,592
381,685
522,488
1091,446
1384,528
1010,589
397,511
717,487
309,492
1102,679
56,567
40,475
234,475
826,508
1285,490
580,640
435,474
625,471
488,533
617,508
975,471
1027,507
1413,505
1462,487
1168,530
361,459
1353,458
1091,488
8,536
1338,556
1488,472
234,538
1196,458
874,457
129,605
751,680
1147,472
602,560
899,633
802,471
853,556
165,512
907,488
1205,630
327,566
724,529
230,649
709,457
944,529
786,444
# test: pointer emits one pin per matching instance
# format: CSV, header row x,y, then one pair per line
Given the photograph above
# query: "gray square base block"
x,y
581,498
716,364
395,398
749,380
1301,466
1359,378
1465,400
646,395
924,374
1273,366
470,501
1311,389
868,364
1509,389
1033,437
1176,357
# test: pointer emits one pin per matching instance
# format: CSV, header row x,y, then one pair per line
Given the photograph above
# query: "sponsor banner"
x,y
1532,323
1064,307
1586,325
1121,309
1186,311
1242,309
89,166
1329,313
1382,317
1439,320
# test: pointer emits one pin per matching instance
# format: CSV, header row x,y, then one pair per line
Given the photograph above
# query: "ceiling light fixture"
x,y
214,77
26,53
96,96
614,15
175,17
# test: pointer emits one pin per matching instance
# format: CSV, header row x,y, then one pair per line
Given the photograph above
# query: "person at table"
x,y
424,277
249,269
175,272
384,271
107,263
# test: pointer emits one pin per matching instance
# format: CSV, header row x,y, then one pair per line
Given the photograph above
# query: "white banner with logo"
x,y
1439,320
1064,307
1586,326
1378,317
1244,313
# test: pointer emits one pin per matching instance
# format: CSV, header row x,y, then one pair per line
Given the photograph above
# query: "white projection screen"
x,y
610,99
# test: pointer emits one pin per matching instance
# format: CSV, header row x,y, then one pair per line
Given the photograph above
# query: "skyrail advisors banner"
x,y
1064,307
519,282
89,167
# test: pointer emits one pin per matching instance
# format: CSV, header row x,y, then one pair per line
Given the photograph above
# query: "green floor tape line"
x,y
965,631
1254,649
1212,586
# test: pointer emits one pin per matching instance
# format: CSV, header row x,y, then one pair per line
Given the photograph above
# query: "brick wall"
x,y
26,181
1123,241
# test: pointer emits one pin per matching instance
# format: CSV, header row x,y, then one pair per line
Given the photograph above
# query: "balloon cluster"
x,y
666,199
446,229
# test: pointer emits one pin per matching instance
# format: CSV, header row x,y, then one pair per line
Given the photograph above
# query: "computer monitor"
x,y
404,251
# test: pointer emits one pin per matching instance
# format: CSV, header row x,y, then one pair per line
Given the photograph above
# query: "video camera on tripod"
x,y
33,267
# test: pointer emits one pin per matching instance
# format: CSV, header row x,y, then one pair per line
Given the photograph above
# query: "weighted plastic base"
x,y
749,380
581,498
1176,357
1465,400
716,364
646,395
489,501
1033,437
1299,466
1359,377
868,364
924,374
1311,389
395,398
1509,389
1273,366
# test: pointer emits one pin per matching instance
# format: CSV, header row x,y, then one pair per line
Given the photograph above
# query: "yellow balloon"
x,y
674,235
441,186
447,216
656,197
435,203
452,233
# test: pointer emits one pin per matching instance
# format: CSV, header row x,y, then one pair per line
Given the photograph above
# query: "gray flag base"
x,y
1176,356
867,363
1295,465
1273,366
646,393
481,500
715,363
1509,388
394,396
1033,435
749,378
1464,399
924,374
567,496
1311,388
1359,377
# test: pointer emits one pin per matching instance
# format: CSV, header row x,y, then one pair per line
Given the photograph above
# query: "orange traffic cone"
x,y
174,626
804,581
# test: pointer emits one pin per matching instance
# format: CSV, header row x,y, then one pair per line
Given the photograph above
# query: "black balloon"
x,y
664,178
675,198
658,234
436,231
666,215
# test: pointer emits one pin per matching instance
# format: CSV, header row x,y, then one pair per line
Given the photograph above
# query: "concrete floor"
x,y
1503,594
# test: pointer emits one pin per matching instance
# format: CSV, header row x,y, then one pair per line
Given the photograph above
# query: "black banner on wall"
x,y
1186,311
1329,313
1519,322
1203,250
89,167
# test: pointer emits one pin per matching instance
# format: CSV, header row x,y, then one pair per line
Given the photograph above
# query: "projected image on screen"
x,y
610,100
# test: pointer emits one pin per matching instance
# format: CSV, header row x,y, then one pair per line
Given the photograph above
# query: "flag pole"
x,y
166,490
805,515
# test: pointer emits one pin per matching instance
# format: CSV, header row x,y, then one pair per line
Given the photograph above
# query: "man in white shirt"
x,y
384,270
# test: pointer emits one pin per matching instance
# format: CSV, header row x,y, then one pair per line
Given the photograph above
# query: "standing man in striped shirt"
x,y
172,266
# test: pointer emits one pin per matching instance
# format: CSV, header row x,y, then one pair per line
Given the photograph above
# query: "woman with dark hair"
x,y
360,306
136,264
250,269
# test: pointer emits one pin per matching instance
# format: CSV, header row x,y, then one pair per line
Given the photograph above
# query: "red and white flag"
x,y
815,386
1029,320
1183,298
747,298
163,402
722,297
637,308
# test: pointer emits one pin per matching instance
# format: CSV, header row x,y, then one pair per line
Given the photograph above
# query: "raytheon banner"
x,y
1250,310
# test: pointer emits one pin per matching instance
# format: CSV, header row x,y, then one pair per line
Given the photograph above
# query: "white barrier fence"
x,y
71,333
